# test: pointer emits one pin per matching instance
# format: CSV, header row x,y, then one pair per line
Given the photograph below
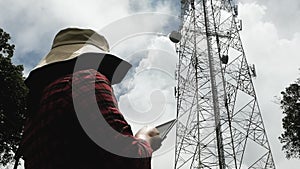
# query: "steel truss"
x,y
220,123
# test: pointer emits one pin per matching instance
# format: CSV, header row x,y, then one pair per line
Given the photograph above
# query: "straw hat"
x,y
72,43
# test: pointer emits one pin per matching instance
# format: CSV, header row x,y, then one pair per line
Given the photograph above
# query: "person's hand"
x,y
151,135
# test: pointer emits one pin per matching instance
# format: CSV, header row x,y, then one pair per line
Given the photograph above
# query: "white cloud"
x,y
277,63
283,14
151,85
33,24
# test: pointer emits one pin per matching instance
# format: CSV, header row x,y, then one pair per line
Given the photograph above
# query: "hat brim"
x,y
68,52
83,56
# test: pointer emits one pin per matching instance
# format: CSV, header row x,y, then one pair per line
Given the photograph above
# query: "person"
x,y
53,135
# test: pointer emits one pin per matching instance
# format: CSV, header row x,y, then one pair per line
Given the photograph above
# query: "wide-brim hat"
x,y
73,43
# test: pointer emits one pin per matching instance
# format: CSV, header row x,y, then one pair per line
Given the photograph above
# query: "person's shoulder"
x,y
92,75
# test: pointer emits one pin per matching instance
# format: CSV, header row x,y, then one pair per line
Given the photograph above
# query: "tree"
x,y
290,103
12,101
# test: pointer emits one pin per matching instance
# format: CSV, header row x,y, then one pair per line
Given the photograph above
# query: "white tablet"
x,y
165,128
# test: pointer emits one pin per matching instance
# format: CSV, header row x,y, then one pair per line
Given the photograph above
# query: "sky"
x,y
270,37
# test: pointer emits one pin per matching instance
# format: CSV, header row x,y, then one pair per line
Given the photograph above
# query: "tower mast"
x,y
219,120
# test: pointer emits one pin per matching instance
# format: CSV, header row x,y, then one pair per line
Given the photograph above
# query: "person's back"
x,y
53,137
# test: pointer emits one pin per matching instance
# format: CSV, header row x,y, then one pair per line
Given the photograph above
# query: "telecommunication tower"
x,y
219,121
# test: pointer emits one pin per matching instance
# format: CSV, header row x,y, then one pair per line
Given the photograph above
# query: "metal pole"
x,y
214,89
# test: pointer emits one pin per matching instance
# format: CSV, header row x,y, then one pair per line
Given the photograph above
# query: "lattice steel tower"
x,y
219,121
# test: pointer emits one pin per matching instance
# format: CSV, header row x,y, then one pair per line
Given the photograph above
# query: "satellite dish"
x,y
175,36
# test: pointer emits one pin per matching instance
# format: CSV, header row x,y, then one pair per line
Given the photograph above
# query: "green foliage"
x,y
290,104
12,101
